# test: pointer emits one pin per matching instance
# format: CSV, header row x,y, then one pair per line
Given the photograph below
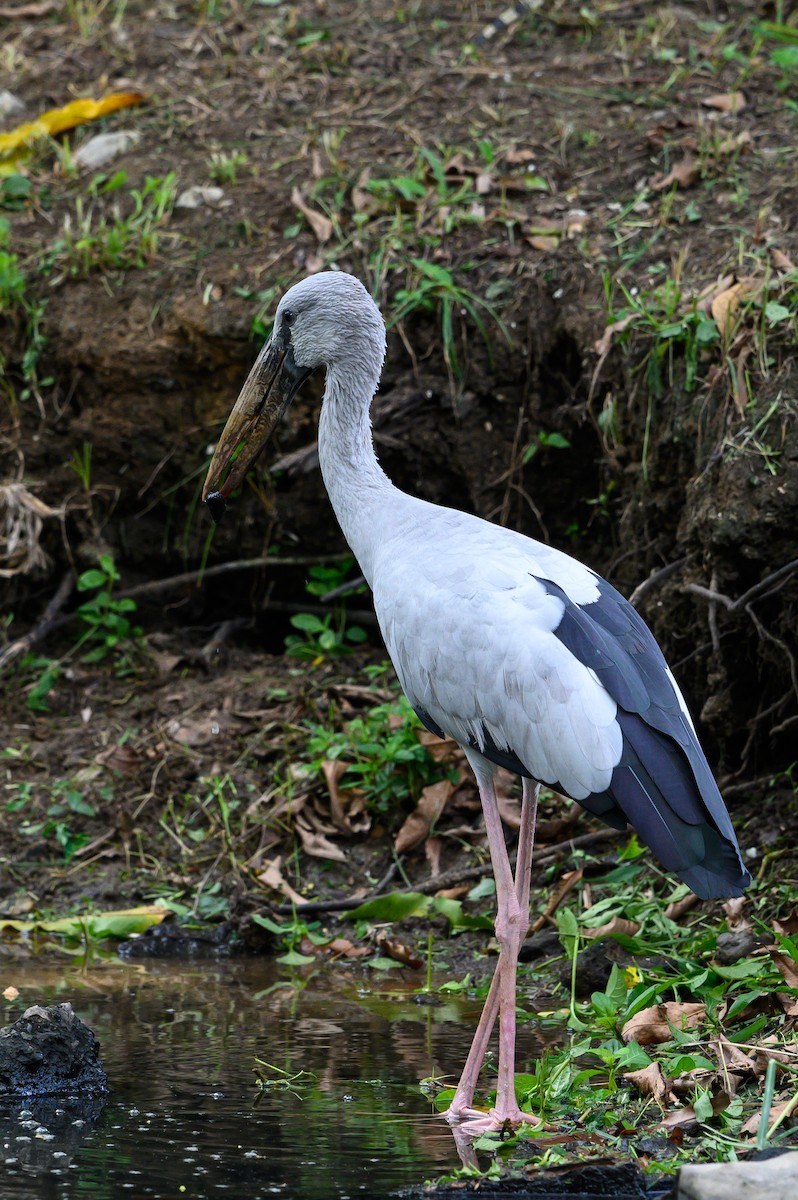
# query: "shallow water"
x,y
184,1117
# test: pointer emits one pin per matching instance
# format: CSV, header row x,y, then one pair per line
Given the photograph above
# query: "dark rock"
x,y
50,1052
737,944
229,939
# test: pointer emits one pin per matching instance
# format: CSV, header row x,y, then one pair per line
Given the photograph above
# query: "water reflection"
x,y
184,1117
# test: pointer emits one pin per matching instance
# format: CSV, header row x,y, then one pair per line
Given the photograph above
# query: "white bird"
x,y
524,656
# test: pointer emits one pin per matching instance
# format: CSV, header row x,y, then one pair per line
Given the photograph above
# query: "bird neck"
x,y
356,483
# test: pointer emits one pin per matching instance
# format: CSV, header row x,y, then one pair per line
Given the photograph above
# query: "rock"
x,y
195,197
50,1052
736,944
773,1178
10,104
104,147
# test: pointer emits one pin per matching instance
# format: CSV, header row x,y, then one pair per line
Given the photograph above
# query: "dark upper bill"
x,y
270,387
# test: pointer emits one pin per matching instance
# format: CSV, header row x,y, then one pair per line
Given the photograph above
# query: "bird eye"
x,y
288,316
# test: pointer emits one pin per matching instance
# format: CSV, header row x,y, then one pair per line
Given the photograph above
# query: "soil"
x,y
564,128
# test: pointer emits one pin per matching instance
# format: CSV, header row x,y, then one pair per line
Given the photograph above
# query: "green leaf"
x,y
91,579
308,622
785,57
396,906
775,312
292,958
381,963
434,272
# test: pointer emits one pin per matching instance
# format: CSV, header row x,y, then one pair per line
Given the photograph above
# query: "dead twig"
x,y
50,619
655,579
448,878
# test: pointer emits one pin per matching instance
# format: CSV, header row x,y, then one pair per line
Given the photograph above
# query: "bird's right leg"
x,y
461,1108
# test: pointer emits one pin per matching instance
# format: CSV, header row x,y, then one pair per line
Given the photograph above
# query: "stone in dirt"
x,y
774,1178
49,1052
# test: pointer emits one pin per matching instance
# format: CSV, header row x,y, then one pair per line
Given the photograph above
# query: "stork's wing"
x,y
522,653
662,785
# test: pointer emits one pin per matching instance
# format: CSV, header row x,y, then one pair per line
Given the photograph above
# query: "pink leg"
x,y
512,922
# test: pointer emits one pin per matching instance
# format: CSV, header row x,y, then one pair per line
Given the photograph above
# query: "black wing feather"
x,y
663,785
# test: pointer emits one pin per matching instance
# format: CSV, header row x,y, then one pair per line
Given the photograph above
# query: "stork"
x,y
525,657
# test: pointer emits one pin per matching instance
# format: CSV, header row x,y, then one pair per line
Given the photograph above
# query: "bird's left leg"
x,y
512,922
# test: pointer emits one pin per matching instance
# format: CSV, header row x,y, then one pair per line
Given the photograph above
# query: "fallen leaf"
x,y
398,951
616,925
789,925
543,242
650,1081
433,848
778,1112
317,844
725,304
515,157
430,806
603,345
780,260
684,174
652,1025
727,102
322,226
735,912
343,948
679,907
439,749
740,381
272,877
787,967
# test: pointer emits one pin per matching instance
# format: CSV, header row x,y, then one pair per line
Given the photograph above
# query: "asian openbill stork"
x,y
527,658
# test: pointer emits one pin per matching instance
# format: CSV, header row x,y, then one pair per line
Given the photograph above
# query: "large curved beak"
x,y
270,387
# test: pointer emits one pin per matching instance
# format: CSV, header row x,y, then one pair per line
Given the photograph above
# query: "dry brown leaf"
x,y
322,226
272,877
727,102
735,912
780,260
433,848
430,806
680,1118
684,174
602,346
652,1025
679,907
787,967
317,844
725,304
398,951
650,1081
515,157
439,749
543,242
565,885
789,925
333,769
616,925
343,948
778,1111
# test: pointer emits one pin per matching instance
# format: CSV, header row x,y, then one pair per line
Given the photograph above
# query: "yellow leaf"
x,y
16,144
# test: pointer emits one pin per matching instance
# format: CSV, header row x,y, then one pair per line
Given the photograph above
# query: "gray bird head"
x,y
326,321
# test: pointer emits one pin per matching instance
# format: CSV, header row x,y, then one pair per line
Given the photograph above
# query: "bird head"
x,y
321,322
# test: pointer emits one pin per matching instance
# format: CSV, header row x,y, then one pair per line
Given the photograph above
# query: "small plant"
x,y
434,288
223,168
385,759
91,240
106,618
12,280
322,636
